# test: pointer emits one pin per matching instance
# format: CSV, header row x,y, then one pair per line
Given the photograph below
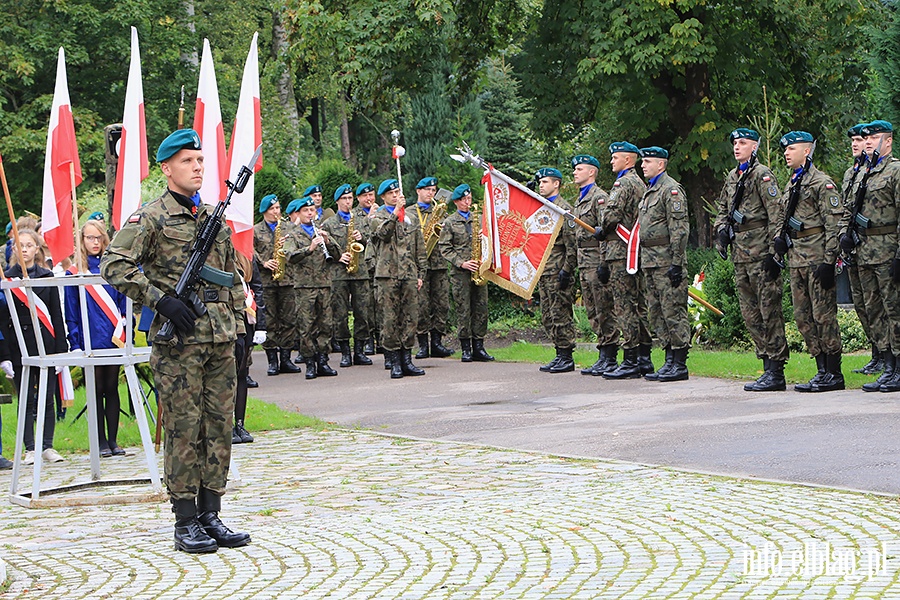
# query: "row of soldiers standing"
x,y
397,287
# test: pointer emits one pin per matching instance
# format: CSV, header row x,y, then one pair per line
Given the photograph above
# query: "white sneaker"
x,y
29,457
51,455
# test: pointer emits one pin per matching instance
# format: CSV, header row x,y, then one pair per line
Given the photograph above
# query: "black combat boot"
x,y
890,364
820,372
369,348
242,433
875,365
359,355
388,360
251,383
335,345
546,368
466,345
892,384
286,366
679,370
601,359
346,359
566,363
608,361
300,360
751,387
209,504
312,370
644,360
396,363
423,345
438,349
772,379
272,355
190,536
833,379
479,354
670,360
630,367
407,364
323,369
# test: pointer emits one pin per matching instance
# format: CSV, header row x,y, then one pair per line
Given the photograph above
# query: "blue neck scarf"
x,y
464,215
319,213
366,210
623,173
345,216
585,190
652,182
743,166
797,173
309,229
272,226
553,198
423,206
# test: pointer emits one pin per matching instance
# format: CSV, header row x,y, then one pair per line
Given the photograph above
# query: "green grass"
x,y
706,363
72,436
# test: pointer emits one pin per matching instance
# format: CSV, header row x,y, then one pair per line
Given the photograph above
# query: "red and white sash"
x,y
43,313
109,308
249,302
632,240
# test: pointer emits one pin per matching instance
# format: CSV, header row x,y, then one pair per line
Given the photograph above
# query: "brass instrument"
x,y
477,278
278,254
354,247
431,228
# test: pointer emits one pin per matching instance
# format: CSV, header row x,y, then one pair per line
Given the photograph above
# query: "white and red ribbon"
x,y
632,239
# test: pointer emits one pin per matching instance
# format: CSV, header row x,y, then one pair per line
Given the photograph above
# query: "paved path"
x,y
352,514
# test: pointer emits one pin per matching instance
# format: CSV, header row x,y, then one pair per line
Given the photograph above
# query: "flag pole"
x,y
12,219
74,218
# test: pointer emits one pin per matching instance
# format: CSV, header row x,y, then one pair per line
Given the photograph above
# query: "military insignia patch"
x,y
571,223
616,184
829,186
676,206
135,218
834,201
773,190
766,178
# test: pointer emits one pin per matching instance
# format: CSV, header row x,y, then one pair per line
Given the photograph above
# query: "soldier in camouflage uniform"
x,y
555,287
364,213
312,284
814,231
399,268
851,176
621,212
349,289
756,275
471,300
434,296
877,252
664,232
279,293
315,192
195,382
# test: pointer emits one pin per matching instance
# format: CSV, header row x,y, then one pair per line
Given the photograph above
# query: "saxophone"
x,y
431,229
353,247
477,278
278,253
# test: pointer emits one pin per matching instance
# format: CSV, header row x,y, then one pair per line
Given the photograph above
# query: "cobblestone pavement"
x,y
352,514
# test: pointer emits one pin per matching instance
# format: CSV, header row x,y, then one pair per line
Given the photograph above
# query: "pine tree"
x,y
506,116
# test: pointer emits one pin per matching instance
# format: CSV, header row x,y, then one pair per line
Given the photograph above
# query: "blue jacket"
x,y
101,328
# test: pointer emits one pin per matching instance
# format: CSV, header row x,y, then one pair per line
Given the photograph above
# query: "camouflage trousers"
x,y
667,307
760,300
397,301
196,388
859,303
598,304
471,306
629,305
281,316
556,311
882,300
374,309
313,320
355,294
434,302
815,311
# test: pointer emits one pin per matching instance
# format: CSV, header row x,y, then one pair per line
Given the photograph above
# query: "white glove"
x,y
259,336
7,367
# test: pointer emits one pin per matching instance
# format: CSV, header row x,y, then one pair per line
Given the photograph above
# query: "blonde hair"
x,y
104,242
39,258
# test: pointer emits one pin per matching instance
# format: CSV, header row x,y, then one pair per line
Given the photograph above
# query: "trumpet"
x,y
353,247
328,257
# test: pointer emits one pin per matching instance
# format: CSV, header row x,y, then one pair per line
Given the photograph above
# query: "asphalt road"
x,y
843,439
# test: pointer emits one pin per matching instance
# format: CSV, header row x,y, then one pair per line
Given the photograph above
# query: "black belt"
x,y
588,243
882,230
751,225
657,241
806,232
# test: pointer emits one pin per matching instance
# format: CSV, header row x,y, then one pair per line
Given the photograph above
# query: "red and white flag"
x,y
133,166
245,139
517,234
62,171
208,125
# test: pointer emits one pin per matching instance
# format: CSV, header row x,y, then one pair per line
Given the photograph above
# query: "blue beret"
x,y
795,137
364,188
654,152
426,182
314,188
342,189
585,159
267,202
623,147
387,185
460,191
8,227
304,202
292,206
878,126
180,140
743,133
96,216
855,130
548,172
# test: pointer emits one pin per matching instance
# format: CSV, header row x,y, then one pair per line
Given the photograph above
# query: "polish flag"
x,y
245,138
208,125
133,166
62,171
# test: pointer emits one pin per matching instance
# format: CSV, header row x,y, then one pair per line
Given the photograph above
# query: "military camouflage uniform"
x,y
598,300
664,234
349,289
556,304
851,176
399,262
196,383
758,295
366,226
471,300
312,285
281,303
434,296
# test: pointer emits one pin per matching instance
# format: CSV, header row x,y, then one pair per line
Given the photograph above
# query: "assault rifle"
x,y
735,216
791,222
196,269
856,219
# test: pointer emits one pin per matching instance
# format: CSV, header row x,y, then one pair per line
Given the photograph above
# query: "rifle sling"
x,y
750,225
882,230
797,235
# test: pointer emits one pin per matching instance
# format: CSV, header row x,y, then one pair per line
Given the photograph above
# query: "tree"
x,y
506,117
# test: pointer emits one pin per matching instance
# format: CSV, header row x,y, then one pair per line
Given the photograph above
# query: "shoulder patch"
x,y
834,201
617,184
773,190
601,200
134,218
677,206
829,186
766,178
674,192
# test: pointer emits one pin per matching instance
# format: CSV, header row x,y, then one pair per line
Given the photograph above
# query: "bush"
x,y
330,174
270,180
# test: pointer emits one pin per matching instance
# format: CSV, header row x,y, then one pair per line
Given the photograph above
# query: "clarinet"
x,y
328,257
